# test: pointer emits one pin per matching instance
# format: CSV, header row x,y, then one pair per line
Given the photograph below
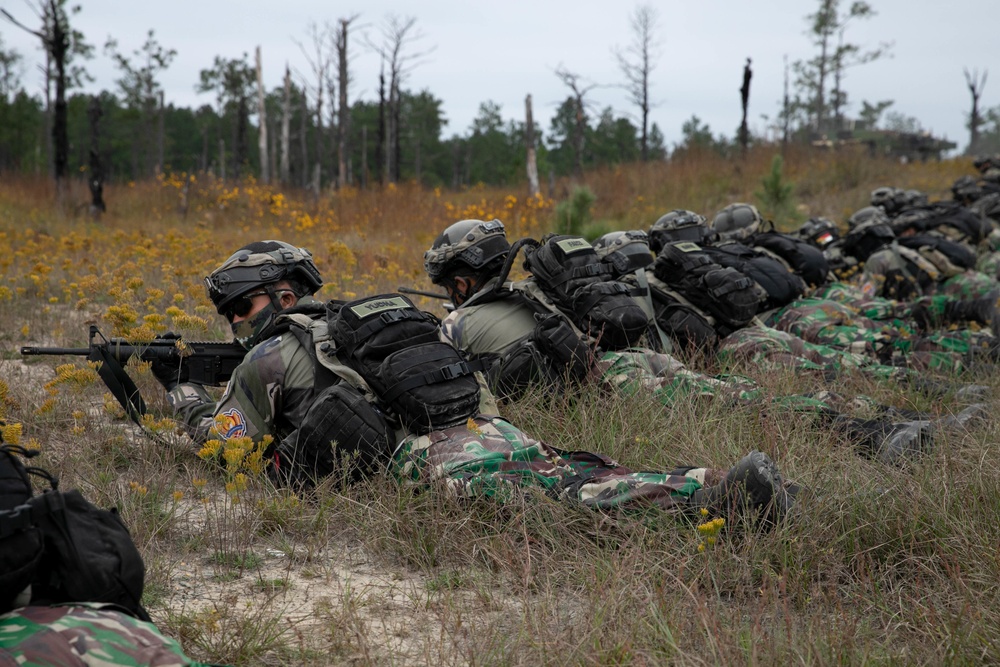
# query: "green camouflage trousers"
x,y
767,347
839,325
635,371
84,635
669,380
489,457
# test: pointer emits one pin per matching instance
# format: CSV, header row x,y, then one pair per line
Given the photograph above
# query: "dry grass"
x,y
877,564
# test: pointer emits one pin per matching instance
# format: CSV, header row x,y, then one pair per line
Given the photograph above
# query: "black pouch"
x,y
340,428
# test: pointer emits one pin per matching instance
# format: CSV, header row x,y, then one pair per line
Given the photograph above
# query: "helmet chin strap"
x,y
273,295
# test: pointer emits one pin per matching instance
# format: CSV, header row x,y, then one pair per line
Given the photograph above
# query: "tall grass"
x,y
877,564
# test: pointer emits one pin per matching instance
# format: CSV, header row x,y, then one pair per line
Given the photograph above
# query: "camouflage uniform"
x,y
268,394
768,347
85,635
839,325
492,458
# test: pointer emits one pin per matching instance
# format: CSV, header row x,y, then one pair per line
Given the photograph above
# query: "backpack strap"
x,y
645,301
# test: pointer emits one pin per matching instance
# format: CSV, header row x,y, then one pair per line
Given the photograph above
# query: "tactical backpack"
x,y
805,259
781,285
950,257
570,274
730,297
687,325
396,348
957,221
61,545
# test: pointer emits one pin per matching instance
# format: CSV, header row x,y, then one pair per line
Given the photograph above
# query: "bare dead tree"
x,y
56,37
286,121
319,62
637,62
96,180
265,163
529,142
398,37
343,109
744,133
976,84
580,90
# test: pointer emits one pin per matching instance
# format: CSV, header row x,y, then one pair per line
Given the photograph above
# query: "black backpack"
x,y
67,549
569,272
806,260
782,286
960,256
685,325
967,223
396,348
724,293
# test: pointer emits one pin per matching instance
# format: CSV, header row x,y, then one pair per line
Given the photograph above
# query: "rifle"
x,y
432,295
207,363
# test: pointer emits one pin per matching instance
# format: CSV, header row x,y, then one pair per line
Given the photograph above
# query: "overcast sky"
x,y
503,50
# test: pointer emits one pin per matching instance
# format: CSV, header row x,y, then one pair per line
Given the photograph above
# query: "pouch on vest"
x,y
396,348
724,293
340,428
570,273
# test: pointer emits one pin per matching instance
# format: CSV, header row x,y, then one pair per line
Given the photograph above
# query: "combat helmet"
x,y
258,265
885,198
867,214
677,225
624,252
737,222
966,189
868,236
820,232
472,244
912,198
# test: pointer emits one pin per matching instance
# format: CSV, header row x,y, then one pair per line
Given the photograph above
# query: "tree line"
x,y
307,133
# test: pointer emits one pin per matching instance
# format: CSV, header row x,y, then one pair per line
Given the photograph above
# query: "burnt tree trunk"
x,y
744,133
529,141
96,180
262,146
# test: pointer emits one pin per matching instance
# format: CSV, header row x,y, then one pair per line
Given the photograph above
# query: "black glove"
x,y
169,370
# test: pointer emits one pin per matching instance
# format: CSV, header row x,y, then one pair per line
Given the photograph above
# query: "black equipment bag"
x,y
969,226
806,260
20,539
340,428
570,273
67,549
683,324
724,293
959,255
396,348
782,286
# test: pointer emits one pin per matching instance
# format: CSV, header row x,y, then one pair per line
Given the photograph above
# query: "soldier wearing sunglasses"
x,y
259,289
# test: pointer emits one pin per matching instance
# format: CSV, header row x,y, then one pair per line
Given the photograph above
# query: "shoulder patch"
x,y
231,424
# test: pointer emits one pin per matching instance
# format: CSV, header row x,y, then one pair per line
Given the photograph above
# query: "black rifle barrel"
x,y
432,295
78,351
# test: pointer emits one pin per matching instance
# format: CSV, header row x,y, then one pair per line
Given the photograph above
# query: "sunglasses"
x,y
242,306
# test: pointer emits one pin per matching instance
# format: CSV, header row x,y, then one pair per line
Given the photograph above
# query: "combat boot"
x,y
754,484
885,441
971,414
982,310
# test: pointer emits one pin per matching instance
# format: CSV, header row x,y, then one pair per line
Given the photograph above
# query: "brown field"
x,y
876,565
